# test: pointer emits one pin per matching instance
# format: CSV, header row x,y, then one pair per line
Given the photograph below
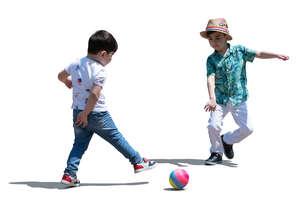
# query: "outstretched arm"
x,y
268,55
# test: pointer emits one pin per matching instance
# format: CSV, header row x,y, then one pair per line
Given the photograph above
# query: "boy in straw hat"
x,y
226,82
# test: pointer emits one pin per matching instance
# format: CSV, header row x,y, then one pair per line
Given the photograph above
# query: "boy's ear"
x,y
101,53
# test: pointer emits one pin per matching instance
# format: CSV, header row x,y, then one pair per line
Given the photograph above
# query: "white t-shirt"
x,y
85,73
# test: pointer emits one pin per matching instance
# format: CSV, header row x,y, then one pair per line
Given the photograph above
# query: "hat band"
x,y
225,30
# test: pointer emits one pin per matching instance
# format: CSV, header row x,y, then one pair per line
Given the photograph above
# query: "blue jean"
x,y
102,124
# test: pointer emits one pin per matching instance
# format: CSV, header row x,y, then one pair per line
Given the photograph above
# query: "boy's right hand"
x,y
210,105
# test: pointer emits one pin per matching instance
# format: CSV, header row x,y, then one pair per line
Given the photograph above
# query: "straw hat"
x,y
219,25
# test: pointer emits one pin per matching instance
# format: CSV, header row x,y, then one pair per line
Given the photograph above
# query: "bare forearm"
x,y
82,118
269,55
211,104
211,87
265,55
91,102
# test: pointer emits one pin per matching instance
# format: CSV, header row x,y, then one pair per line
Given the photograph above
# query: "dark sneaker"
x,y
227,149
70,181
144,165
214,159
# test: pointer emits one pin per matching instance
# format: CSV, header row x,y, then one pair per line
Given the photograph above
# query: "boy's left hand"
x,y
82,119
283,57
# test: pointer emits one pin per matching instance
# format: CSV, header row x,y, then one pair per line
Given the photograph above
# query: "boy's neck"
x,y
223,51
95,58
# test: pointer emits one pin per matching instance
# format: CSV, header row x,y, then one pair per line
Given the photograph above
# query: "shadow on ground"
x,y
186,162
173,190
57,185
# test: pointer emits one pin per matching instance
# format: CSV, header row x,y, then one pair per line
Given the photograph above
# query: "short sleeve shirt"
x,y
230,74
85,73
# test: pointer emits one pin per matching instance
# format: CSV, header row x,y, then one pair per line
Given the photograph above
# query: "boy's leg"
x,y
241,117
215,128
82,139
105,127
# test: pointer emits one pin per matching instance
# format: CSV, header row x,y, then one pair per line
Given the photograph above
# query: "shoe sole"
x,y
145,169
212,163
69,184
228,157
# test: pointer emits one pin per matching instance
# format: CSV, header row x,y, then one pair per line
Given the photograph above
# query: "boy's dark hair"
x,y
102,40
210,32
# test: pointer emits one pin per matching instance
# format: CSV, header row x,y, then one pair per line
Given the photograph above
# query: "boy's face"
x,y
105,57
217,40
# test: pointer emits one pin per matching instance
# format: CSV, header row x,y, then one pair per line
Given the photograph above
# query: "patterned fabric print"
x,y
230,74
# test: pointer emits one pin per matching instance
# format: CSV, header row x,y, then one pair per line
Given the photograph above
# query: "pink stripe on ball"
x,y
182,176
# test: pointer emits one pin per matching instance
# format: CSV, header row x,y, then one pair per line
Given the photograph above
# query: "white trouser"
x,y
240,116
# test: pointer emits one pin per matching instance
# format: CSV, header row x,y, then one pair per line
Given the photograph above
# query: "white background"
x,y
156,92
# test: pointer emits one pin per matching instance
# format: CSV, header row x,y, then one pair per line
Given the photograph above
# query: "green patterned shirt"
x,y
230,74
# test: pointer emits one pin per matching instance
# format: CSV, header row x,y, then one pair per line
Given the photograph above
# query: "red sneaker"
x,y
70,181
144,165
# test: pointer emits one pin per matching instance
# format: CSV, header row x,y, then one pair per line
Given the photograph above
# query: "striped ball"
x,y
179,178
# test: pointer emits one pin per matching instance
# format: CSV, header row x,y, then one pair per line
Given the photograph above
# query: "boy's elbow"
x,y
210,79
60,76
98,94
95,95
258,54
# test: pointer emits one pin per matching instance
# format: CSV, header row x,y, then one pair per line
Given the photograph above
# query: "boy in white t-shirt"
x,y
90,113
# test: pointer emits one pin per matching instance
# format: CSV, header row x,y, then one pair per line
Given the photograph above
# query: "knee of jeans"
x,y
112,135
214,127
117,137
81,145
247,130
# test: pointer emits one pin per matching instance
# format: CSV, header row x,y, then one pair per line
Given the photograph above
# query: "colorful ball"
x,y
179,178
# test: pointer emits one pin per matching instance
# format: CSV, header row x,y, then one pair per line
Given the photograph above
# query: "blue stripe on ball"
x,y
175,181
